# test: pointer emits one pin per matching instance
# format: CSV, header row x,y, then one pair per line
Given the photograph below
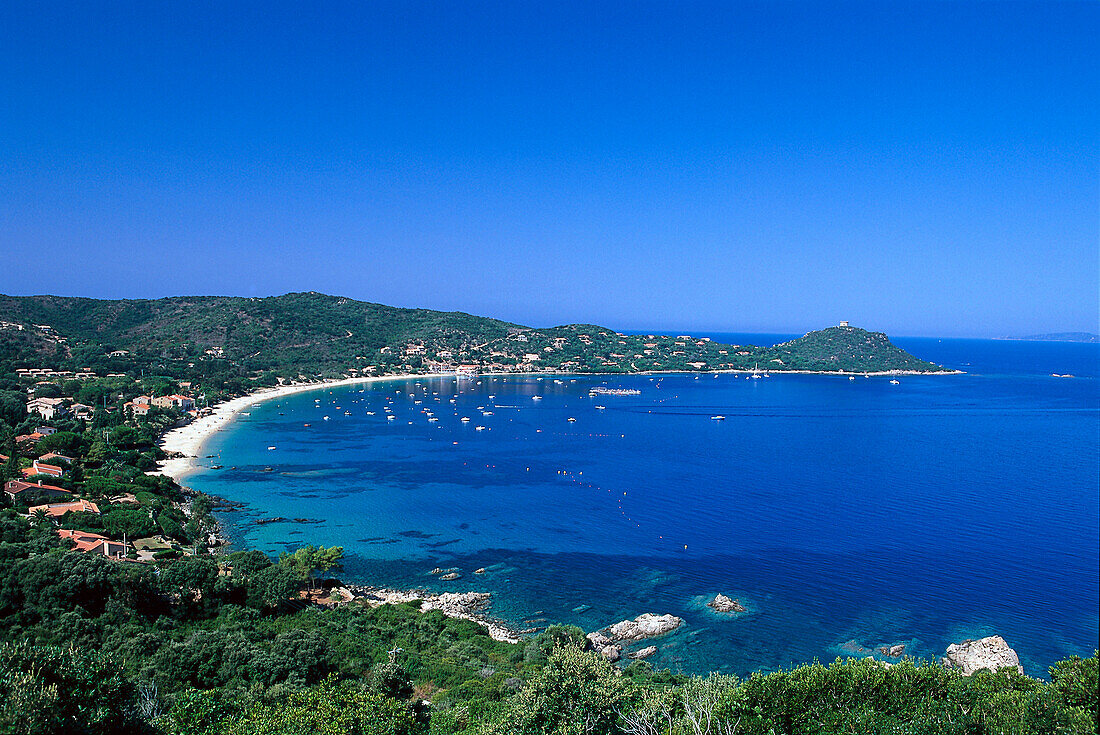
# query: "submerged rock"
x,y
646,625
721,603
451,576
991,653
644,653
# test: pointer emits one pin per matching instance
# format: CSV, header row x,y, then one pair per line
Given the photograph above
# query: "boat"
x,y
851,377
571,420
600,408
270,448
479,428
895,382
536,398
391,417
325,418
306,425
464,419
718,418
756,372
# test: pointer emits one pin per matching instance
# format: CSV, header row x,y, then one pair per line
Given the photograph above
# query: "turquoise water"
x,y
843,514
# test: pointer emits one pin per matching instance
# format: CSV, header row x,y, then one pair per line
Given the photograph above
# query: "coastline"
x,y
188,440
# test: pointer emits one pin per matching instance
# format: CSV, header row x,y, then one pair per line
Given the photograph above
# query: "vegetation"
x,y
230,343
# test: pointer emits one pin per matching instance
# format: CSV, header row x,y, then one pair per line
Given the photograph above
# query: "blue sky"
x,y
918,168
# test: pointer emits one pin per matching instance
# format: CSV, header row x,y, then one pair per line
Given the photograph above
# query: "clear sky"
x,y
919,168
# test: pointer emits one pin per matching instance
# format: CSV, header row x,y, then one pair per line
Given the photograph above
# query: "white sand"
x,y
188,440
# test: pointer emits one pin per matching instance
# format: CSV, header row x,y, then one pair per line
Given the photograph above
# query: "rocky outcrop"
x,y
991,653
646,625
461,605
451,576
723,604
644,653
892,651
605,646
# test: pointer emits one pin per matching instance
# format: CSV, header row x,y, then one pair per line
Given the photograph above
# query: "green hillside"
x,y
311,334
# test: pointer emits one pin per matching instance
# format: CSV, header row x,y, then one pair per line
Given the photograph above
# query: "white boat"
x,y
571,419
536,398
325,418
600,408
851,377
479,428
391,417
270,448
464,419
718,418
895,382
756,372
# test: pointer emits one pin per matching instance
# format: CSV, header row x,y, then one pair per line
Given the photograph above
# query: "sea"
x,y
843,514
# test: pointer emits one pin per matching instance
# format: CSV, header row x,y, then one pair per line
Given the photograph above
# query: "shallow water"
x,y
844,514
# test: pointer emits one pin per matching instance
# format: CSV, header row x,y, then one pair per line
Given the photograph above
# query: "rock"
x,y
644,653
605,646
892,651
646,625
480,571
452,576
991,653
437,570
721,603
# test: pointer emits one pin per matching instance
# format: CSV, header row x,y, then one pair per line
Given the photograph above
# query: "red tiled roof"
x,y
56,510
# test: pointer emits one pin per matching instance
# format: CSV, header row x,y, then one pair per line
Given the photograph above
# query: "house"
x,y
4,458
41,468
47,408
139,409
531,357
56,510
81,411
466,370
55,457
174,401
94,543
29,439
20,490
45,430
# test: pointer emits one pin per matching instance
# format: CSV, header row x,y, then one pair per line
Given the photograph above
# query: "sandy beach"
x,y
188,440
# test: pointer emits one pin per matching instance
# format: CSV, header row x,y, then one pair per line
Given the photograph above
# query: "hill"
x,y
312,334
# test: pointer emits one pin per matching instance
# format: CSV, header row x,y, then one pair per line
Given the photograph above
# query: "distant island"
x,y
306,336
1059,337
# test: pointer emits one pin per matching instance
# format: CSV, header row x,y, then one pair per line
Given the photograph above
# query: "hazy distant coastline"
x,y
1087,337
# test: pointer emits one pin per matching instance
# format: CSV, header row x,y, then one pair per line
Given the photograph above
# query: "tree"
x,y
576,693
309,560
48,689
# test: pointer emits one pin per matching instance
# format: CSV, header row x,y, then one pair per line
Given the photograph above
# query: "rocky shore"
x,y
460,605
609,641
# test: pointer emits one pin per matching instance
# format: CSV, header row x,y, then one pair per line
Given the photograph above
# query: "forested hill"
x,y
310,334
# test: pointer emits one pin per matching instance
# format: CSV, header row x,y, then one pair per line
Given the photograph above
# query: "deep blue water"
x,y
939,509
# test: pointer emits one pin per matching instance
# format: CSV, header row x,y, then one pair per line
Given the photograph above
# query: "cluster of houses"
x,y
141,404
60,501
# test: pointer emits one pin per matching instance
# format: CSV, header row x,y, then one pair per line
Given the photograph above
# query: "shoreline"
x,y
188,440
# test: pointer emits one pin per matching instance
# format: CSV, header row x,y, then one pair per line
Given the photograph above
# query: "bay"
x,y
844,514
